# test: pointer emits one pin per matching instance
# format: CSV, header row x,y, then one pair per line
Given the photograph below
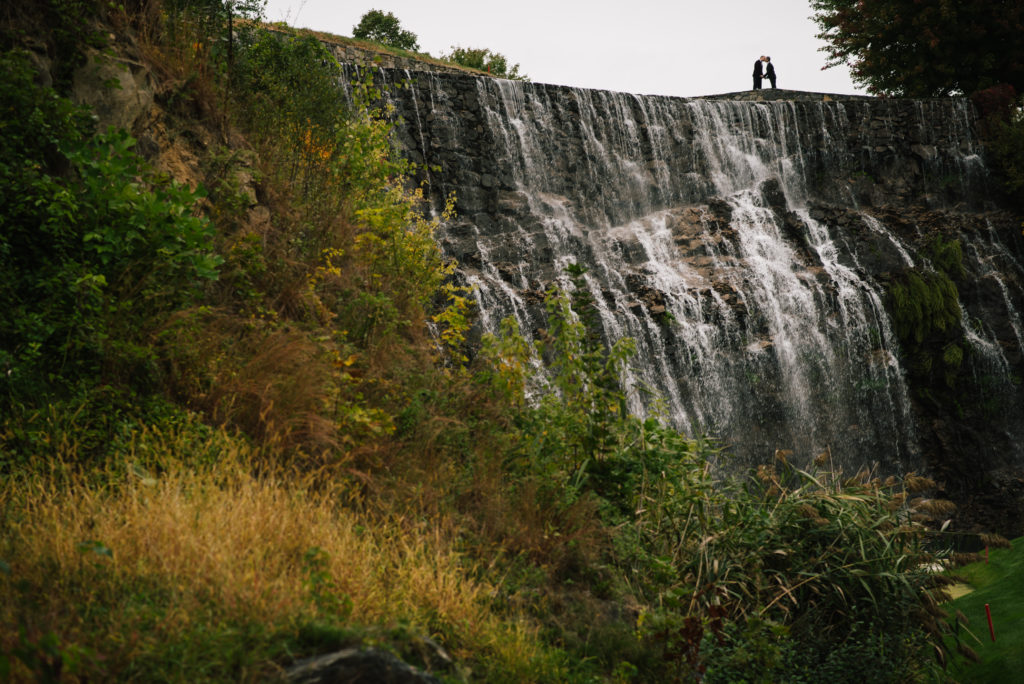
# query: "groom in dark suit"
x,y
758,72
770,72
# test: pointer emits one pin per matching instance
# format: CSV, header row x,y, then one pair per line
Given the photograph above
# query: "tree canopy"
x,y
925,48
384,27
483,59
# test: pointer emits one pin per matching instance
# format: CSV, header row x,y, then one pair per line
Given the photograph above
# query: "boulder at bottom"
x,y
352,666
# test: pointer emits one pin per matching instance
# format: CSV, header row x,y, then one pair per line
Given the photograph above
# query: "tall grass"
x,y
164,568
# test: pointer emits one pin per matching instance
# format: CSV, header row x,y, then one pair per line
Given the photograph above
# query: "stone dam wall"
x,y
751,245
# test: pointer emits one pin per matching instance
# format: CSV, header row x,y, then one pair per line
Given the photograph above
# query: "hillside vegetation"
x,y
240,424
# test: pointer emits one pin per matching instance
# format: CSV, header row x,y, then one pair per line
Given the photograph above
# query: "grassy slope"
x,y
999,584
370,46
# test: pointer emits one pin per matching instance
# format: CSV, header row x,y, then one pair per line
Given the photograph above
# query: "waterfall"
x,y
744,246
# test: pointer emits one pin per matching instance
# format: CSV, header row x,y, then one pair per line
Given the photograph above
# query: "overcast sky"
x,y
647,47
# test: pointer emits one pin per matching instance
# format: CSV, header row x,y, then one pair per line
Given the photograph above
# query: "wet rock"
x,y
925,152
773,195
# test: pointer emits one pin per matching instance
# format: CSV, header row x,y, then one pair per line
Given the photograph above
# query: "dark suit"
x,y
770,74
757,74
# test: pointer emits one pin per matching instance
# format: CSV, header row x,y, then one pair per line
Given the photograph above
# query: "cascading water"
x,y
738,243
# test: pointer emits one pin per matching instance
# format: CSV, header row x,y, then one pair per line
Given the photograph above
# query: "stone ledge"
x,y
773,94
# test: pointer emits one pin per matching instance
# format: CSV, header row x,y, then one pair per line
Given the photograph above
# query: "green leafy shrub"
x,y
290,87
334,150
214,24
385,28
92,244
348,255
483,59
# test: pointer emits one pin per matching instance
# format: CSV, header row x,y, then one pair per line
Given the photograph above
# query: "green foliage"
x,y
355,238
927,316
398,249
758,652
289,81
995,581
93,423
323,592
46,658
577,421
910,48
795,572
92,244
384,27
334,151
1005,142
290,88
483,59
66,27
246,9
924,303
453,321
218,30
505,366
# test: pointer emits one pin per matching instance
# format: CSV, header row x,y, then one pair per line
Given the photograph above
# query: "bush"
x,y
783,572
799,572
384,27
483,59
93,246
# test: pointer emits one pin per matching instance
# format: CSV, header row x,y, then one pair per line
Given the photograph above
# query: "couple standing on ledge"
x,y
762,71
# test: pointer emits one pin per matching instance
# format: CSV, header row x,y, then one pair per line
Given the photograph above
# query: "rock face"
x,y
117,89
759,252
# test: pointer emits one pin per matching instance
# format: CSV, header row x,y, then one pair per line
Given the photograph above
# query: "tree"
x,y
924,48
483,59
1002,130
384,28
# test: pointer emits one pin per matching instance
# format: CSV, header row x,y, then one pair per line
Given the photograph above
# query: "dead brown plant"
x,y
271,382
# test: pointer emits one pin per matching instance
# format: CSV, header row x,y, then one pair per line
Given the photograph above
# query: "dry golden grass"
x,y
273,383
194,548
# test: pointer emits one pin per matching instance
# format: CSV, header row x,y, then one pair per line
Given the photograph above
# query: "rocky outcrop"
x,y
117,89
